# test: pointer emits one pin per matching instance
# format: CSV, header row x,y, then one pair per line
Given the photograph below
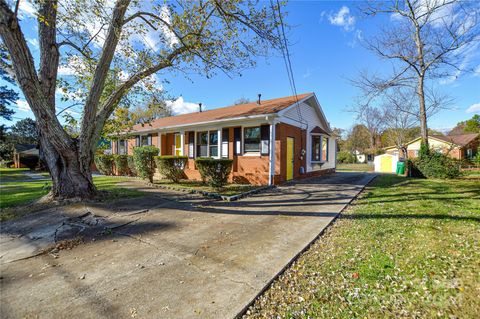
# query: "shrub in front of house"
x,y
143,159
433,164
346,157
131,166
171,167
121,164
214,171
104,164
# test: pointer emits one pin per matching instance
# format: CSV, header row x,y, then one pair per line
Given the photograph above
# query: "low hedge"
x,y
121,164
214,171
171,167
143,158
131,165
104,164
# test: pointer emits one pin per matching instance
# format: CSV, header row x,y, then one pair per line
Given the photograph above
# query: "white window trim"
x,y
322,136
251,153
208,142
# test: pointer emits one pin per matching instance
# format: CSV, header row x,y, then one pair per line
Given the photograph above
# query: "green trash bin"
x,y
400,168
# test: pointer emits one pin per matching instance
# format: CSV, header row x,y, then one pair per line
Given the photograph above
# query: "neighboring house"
x,y
464,146
363,158
270,141
25,155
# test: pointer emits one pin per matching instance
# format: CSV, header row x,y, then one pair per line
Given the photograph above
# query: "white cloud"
x,y
23,105
26,9
343,19
474,108
179,106
168,34
73,66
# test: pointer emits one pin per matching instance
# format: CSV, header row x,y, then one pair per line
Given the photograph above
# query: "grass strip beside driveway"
x,y
405,248
17,193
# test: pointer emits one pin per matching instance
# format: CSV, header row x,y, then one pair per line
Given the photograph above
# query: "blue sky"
x,y
325,53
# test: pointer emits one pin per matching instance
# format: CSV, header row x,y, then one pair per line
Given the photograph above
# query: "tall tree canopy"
x,y
469,126
117,50
8,96
425,41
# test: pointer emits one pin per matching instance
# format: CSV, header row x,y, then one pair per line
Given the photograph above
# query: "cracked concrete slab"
x,y
178,258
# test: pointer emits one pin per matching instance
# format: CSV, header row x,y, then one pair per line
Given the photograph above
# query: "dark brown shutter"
x,y
264,139
237,138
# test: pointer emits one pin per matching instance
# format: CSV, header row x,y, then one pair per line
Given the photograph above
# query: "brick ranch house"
x,y
464,146
270,141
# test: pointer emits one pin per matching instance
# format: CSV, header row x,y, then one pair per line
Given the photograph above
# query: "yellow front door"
x,y
178,145
290,145
386,164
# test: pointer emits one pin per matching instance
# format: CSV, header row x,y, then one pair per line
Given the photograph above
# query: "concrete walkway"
x,y
163,256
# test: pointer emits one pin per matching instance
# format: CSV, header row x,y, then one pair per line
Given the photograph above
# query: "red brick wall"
x,y
248,168
300,139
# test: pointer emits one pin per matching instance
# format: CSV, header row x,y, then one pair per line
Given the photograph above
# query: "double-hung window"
x,y
213,143
319,148
251,139
316,151
324,149
143,140
202,144
122,147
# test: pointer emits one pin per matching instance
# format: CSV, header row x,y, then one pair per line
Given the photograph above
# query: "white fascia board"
x,y
210,124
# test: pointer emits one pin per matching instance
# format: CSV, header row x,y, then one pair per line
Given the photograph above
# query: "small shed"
x,y
386,163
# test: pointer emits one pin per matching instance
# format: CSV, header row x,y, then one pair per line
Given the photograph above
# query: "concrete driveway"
x,y
166,255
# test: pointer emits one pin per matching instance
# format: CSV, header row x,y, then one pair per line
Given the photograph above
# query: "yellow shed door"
x,y
290,144
386,164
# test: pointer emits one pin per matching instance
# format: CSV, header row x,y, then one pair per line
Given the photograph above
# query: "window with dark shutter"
x,y
237,138
191,144
265,139
137,140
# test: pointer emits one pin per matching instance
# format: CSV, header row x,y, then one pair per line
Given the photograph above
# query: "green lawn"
x,y
408,248
15,191
228,190
354,168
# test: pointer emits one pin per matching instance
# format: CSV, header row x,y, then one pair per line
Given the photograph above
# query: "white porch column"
x,y
182,142
219,143
272,154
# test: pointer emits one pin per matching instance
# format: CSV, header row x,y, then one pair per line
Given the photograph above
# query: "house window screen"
x,y
137,140
251,139
145,140
122,147
225,139
202,144
316,148
324,149
213,143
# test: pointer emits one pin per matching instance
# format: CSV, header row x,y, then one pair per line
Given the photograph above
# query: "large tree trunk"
x,y
71,178
423,112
